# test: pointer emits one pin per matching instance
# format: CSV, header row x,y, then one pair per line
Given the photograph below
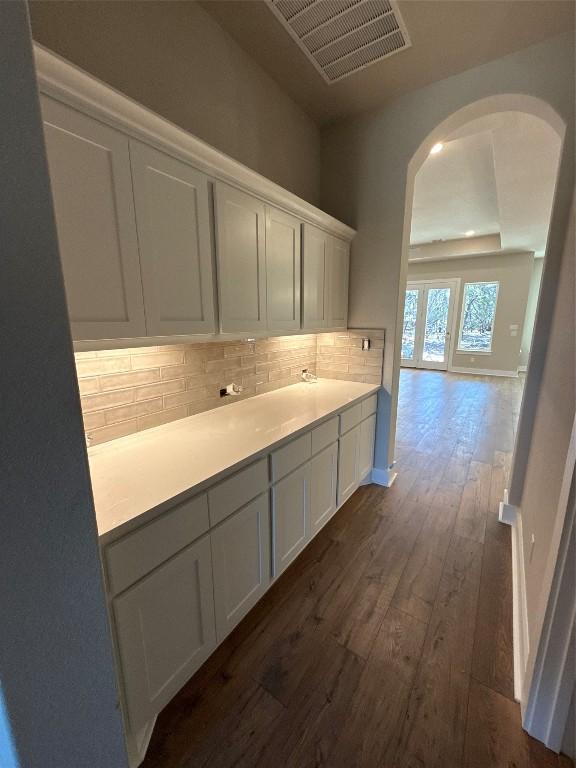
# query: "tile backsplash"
x,y
128,390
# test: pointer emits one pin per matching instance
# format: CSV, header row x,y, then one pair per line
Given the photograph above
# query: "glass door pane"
x,y
410,319
436,326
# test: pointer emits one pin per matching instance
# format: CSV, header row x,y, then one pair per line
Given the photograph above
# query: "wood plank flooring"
x,y
388,643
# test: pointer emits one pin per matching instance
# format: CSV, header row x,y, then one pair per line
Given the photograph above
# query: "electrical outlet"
x,y
365,345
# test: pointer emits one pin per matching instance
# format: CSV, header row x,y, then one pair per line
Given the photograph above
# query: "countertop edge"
x,y
143,518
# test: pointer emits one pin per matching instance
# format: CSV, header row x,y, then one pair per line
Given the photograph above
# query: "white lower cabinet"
x,y
366,449
323,481
180,583
348,467
290,517
165,630
241,562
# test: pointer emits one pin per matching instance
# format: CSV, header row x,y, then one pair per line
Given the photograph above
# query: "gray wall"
x,y
532,305
513,272
365,183
58,697
554,417
174,58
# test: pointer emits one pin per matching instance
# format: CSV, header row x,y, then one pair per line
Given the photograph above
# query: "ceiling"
x,y
495,176
448,36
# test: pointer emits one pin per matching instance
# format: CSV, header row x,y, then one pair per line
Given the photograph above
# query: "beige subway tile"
x,y
204,380
279,373
157,390
348,341
223,365
252,379
127,412
99,366
184,398
94,420
181,371
157,360
194,358
239,350
162,417
372,379
107,400
130,379
105,434
84,355
88,386
212,352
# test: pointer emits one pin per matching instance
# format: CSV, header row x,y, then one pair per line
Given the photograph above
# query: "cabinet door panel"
x,y
314,277
366,449
348,468
240,226
338,265
323,477
241,558
290,517
91,183
165,630
282,270
172,214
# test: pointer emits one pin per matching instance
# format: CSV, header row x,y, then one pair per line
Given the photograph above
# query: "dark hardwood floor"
x,y
388,643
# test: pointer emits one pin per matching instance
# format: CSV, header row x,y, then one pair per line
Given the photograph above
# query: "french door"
x,y
428,318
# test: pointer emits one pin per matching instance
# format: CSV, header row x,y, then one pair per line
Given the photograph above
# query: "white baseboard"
x,y
484,372
519,608
384,477
507,513
522,368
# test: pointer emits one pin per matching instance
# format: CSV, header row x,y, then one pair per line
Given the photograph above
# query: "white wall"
x,y
513,273
58,697
365,182
174,58
533,293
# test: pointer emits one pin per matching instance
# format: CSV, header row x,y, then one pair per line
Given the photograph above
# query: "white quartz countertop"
x,y
138,474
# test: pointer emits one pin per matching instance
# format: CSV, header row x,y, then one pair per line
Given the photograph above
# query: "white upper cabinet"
x,y
283,270
92,190
240,247
174,231
316,246
338,267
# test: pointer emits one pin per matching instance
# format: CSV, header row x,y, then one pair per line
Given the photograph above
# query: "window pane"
x,y
409,329
478,311
436,325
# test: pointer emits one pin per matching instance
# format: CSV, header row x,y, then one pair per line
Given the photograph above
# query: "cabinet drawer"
x,y
285,459
234,492
350,417
138,553
324,435
369,406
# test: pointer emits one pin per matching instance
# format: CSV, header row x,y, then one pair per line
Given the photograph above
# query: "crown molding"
x,y
63,81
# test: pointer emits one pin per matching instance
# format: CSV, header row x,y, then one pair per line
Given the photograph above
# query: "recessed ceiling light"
x,y
470,233
437,148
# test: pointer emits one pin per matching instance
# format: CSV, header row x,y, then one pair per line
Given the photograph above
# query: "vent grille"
x,y
343,36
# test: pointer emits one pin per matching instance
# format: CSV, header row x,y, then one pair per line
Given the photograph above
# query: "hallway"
x,y
388,643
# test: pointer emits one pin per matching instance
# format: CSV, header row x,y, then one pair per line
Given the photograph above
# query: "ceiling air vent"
x,y
343,36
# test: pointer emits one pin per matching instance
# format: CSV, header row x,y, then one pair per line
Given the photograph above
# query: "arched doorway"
x,y
480,111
